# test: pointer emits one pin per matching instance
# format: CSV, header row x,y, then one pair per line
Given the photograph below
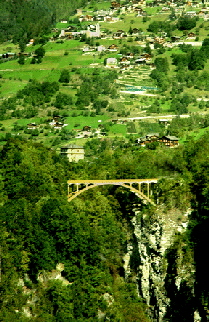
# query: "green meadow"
x,y
8,88
194,135
81,121
118,129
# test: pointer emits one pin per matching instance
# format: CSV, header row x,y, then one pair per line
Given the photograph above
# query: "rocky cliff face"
x,y
162,266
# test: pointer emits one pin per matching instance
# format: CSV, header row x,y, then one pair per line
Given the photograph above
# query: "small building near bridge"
x,y
73,152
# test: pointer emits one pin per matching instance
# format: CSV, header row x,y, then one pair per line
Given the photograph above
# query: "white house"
x,y
111,62
73,152
95,33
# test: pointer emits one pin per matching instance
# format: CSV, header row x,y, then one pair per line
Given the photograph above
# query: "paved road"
x,y
193,43
154,117
138,93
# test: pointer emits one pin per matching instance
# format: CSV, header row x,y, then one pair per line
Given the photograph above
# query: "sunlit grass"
x,y
81,121
9,88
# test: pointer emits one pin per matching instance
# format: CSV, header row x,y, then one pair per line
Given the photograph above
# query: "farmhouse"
x,y
86,18
169,141
87,128
130,55
119,34
31,126
74,153
57,123
115,4
175,38
113,47
111,62
165,122
101,48
125,61
7,55
135,31
159,40
99,18
93,31
191,35
140,61
88,49
151,137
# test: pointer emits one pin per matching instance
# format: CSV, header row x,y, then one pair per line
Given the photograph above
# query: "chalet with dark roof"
x,y
115,5
166,140
169,141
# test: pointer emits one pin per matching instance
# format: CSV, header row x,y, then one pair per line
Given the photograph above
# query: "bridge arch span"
x,y
76,187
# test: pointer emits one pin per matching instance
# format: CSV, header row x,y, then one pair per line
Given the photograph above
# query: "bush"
x,y
65,76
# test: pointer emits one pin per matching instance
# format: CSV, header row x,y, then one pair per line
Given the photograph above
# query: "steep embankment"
x,y
162,265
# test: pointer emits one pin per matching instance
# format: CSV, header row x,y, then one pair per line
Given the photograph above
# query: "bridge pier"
x,y
148,189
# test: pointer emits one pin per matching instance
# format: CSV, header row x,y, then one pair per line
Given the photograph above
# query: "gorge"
x,y
121,259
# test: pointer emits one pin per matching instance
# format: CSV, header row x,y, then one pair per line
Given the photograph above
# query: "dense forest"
x,y
40,229
22,20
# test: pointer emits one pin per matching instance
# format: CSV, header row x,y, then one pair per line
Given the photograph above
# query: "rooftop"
x,y
72,146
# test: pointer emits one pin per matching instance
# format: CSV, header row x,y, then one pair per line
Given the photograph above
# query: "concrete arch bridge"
x,y
143,188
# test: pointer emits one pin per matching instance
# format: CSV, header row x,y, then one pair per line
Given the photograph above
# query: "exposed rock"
x,y
163,273
197,317
54,274
108,298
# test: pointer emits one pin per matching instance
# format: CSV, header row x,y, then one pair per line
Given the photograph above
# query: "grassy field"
x,y
24,122
118,129
194,134
8,47
80,121
54,47
8,88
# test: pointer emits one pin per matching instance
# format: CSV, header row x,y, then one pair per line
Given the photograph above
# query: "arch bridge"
x,y
143,188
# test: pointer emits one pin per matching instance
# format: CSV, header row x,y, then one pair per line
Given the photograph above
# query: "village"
x,y
127,38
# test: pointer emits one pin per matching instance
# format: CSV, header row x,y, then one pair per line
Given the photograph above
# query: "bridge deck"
x,y
113,181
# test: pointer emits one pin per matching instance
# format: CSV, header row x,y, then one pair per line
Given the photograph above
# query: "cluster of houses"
x,y
124,61
94,31
115,7
166,140
10,56
129,61
71,32
57,123
202,14
109,15
99,17
137,7
74,153
134,6
87,132
7,55
100,48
